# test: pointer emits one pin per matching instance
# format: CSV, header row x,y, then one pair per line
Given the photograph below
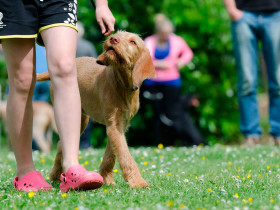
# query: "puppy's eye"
x,y
133,42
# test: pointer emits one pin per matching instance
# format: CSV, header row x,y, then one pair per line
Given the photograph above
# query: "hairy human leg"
x,y
20,59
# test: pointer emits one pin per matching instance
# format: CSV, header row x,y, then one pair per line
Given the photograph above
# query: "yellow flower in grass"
x,y
267,167
10,169
76,208
243,178
80,157
244,201
260,175
272,200
64,195
14,207
86,162
42,156
169,203
249,176
115,170
105,190
209,189
182,205
160,156
169,174
48,178
145,163
42,161
250,171
238,177
203,158
250,199
160,146
82,196
236,195
229,163
31,194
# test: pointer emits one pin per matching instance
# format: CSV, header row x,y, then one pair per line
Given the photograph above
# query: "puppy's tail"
x,y
43,76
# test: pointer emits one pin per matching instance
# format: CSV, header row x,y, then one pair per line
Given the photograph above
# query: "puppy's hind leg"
x,y
57,168
107,165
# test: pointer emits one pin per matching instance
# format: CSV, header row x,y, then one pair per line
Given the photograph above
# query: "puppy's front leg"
x,y
128,166
107,165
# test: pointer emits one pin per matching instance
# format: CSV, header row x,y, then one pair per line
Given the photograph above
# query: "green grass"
x,y
182,178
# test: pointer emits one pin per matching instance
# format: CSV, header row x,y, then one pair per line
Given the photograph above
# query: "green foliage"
x,y
205,26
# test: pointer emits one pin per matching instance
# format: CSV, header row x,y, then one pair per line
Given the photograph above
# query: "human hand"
x,y
161,64
105,19
235,14
180,64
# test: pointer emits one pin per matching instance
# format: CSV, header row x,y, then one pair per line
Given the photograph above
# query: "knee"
x,y
63,69
246,87
22,82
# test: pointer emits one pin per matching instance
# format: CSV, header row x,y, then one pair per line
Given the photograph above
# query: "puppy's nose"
x,y
114,40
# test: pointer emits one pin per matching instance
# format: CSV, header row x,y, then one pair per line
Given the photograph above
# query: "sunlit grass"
x,y
181,178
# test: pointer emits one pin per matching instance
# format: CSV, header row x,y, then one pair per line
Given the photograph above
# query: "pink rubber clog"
x,y
78,178
32,181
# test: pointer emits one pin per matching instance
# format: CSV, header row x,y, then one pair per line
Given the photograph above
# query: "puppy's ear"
x,y
101,59
143,69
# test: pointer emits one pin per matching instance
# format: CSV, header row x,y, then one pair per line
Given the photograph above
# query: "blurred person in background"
x,y
169,53
254,21
85,49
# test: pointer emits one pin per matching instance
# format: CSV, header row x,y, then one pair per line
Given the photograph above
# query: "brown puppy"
x,y
110,96
43,123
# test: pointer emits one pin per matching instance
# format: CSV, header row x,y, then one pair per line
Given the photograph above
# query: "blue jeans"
x,y
246,33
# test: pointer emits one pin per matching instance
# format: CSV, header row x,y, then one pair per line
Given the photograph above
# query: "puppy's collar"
x,y
126,88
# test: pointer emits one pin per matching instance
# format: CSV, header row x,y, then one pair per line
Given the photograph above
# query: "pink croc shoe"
x,y
32,181
78,178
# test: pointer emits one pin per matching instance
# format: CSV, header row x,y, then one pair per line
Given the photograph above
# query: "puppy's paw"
x,y
55,175
108,179
138,183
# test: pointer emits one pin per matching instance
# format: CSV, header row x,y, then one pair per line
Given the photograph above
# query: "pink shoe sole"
x,y
32,181
78,178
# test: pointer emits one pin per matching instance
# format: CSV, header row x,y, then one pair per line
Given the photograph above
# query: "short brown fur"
x,y
110,95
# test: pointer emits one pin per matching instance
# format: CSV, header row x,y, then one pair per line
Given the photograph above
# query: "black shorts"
x,y
27,18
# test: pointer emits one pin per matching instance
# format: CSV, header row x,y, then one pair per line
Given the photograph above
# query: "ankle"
x,y
68,164
22,171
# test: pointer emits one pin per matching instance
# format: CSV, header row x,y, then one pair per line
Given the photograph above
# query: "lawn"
x,y
221,177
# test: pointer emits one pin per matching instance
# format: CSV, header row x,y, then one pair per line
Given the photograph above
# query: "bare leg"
x,y
57,168
60,45
20,59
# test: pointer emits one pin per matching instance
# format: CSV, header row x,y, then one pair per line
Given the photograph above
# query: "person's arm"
x,y
104,17
234,13
186,54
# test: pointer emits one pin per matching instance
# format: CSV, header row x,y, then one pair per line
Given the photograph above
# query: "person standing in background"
x,y
254,21
84,47
170,53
